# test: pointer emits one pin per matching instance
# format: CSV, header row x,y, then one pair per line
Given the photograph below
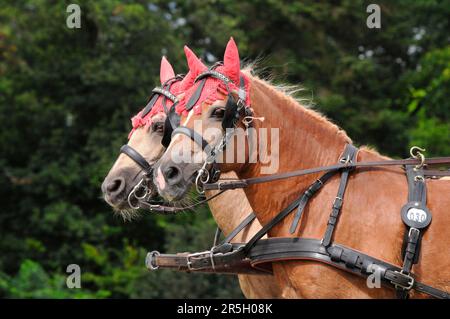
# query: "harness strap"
x,y
246,222
242,183
348,152
194,136
207,261
138,158
196,96
266,251
349,156
307,195
416,217
339,256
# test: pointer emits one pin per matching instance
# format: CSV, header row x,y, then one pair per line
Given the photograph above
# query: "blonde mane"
x,y
290,94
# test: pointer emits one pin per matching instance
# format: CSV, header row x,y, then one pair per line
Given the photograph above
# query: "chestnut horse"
x,y
146,139
370,219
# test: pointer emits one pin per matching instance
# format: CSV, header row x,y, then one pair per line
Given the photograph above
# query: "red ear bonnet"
x,y
231,62
213,89
166,71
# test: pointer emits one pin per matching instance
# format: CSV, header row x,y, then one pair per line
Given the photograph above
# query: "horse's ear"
x,y
231,61
195,68
195,65
166,71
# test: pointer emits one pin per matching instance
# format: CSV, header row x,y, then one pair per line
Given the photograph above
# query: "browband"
x,y
155,94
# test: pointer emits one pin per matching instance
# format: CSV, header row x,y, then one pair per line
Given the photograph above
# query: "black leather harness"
x,y
257,255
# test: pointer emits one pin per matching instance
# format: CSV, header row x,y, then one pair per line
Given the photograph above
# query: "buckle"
x,y
149,260
337,203
240,103
405,278
412,229
208,254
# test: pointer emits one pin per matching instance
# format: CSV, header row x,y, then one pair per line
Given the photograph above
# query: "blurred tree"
x,y
66,96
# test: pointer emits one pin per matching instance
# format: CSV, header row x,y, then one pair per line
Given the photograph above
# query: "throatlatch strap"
x,y
349,156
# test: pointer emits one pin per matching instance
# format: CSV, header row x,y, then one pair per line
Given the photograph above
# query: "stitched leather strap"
x,y
349,156
138,158
247,221
266,251
194,98
194,136
242,183
312,189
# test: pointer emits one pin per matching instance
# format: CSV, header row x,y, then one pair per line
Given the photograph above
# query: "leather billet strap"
x,y
417,217
246,222
138,158
205,262
307,195
349,156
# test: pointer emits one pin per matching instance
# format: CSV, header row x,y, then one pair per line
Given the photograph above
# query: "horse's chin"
x,y
174,193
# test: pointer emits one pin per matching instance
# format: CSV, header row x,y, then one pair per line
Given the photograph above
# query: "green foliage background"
x,y
66,96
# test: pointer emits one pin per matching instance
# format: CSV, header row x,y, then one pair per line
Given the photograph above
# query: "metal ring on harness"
x,y
132,195
149,260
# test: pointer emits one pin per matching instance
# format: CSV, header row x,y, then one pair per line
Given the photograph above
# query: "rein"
x,y
242,183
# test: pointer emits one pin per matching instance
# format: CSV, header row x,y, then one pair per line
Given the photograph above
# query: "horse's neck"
x,y
306,139
230,208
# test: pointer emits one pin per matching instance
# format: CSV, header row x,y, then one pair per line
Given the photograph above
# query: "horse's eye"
x,y
218,112
158,127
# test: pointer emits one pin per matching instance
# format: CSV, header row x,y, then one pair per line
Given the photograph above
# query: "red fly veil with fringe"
x,y
214,89
166,73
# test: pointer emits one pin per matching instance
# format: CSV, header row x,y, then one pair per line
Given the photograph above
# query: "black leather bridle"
x,y
235,110
142,192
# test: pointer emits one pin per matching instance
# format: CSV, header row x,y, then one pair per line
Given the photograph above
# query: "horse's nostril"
x,y
172,174
115,186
